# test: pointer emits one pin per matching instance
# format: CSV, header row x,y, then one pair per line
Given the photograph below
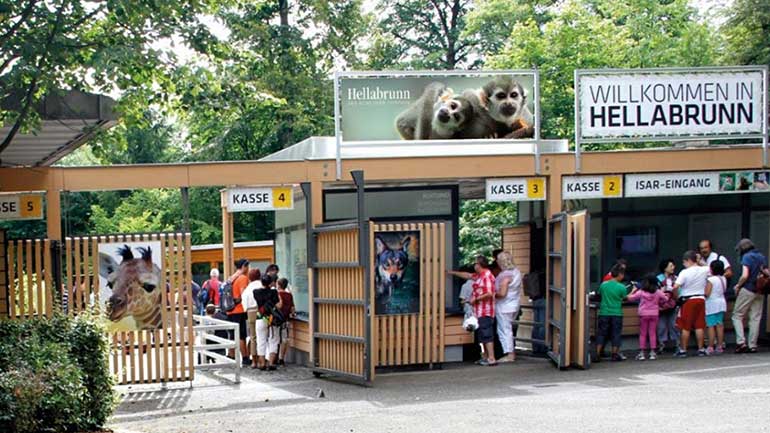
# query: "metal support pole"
x,y
766,104
576,84
337,124
363,261
538,168
185,191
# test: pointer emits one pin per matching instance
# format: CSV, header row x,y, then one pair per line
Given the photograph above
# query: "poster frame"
x,y
340,75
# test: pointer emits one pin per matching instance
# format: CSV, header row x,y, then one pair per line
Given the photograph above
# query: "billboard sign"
x,y
670,103
456,105
696,183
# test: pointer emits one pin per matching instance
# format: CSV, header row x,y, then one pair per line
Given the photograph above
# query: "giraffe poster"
x,y
131,284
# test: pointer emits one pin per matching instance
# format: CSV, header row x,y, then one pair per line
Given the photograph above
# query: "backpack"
x,y
269,309
532,287
226,300
203,298
762,284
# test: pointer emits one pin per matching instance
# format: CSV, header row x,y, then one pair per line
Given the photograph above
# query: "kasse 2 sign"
x,y
654,104
249,199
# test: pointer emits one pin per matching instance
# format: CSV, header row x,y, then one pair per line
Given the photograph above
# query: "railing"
x,y
207,344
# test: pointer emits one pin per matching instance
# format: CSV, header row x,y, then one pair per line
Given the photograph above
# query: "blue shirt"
x,y
755,261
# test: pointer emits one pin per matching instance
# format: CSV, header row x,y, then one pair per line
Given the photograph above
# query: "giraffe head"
x,y
136,287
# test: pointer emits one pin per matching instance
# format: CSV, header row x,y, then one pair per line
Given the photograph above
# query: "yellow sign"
x,y
536,188
613,186
21,206
283,198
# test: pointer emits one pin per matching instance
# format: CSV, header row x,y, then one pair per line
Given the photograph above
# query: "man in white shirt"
x,y
708,255
691,285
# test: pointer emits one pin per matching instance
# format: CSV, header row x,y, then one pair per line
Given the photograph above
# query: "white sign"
x,y
583,187
655,104
518,189
21,206
725,182
260,199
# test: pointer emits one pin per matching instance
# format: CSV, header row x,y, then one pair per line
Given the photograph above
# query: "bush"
x,y
54,375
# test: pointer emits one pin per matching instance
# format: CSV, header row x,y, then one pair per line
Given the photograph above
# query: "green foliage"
x,y
586,34
481,223
54,375
413,34
747,33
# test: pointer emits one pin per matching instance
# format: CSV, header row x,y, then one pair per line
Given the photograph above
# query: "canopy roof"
x,y
326,148
67,121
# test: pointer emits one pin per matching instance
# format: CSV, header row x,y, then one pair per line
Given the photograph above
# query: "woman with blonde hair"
x,y
507,294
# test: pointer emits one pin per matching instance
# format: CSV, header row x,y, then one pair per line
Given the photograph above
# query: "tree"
x,y
494,22
48,46
747,33
586,34
415,34
481,223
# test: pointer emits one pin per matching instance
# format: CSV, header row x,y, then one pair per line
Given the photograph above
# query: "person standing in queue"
x,y
483,301
250,305
690,288
287,308
239,280
610,326
508,293
747,299
708,255
667,330
267,336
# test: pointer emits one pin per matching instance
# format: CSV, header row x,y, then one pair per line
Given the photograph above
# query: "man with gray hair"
x,y
212,286
747,299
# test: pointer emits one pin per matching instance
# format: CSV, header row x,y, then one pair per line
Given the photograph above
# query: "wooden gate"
x,y
567,295
148,356
341,314
27,266
406,339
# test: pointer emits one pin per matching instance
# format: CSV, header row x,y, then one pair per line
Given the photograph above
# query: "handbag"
x,y
762,285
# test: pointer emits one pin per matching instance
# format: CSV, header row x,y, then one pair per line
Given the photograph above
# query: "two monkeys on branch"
x,y
497,110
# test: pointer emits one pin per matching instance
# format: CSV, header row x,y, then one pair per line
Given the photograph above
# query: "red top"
x,y
607,277
212,286
484,283
239,284
287,302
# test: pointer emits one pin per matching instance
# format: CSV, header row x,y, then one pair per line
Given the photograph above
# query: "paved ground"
x,y
719,394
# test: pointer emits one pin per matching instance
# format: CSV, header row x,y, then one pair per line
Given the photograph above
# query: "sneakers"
x,y
640,356
710,351
680,353
719,350
741,348
661,349
702,352
652,356
752,350
617,357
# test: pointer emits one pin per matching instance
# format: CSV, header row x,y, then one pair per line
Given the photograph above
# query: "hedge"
x,y
54,375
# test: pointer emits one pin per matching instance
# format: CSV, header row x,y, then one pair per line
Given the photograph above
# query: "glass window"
x,y
389,204
291,254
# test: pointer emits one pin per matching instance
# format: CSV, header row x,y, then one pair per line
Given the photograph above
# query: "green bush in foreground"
x,y
54,375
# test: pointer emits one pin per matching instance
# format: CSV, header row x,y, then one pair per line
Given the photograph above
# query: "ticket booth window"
x,y
291,254
405,204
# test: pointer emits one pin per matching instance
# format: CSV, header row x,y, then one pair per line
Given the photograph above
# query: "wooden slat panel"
x,y
95,271
441,289
12,292
68,285
48,278
38,263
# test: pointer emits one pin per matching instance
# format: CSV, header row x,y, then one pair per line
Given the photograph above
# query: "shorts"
x,y
715,319
240,319
486,331
692,315
284,334
610,328
252,326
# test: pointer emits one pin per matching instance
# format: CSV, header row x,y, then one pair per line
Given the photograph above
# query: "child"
x,y
650,297
612,292
287,302
716,305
